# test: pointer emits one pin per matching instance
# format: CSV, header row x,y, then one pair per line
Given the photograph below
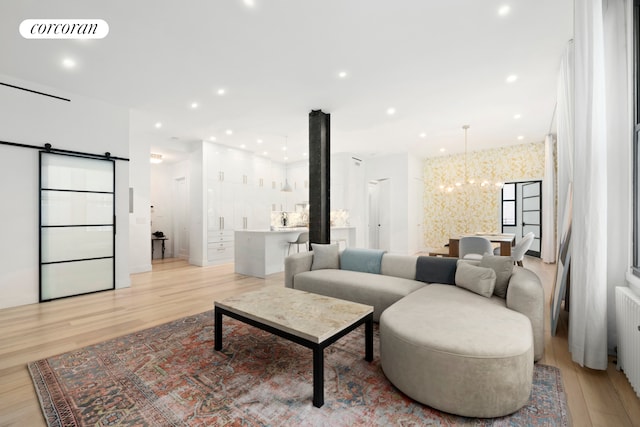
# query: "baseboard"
x,y
134,269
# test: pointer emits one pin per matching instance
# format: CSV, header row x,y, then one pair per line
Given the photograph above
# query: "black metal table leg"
x,y
318,376
368,339
218,329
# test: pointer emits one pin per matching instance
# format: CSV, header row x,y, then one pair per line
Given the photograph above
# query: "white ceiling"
x,y
440,64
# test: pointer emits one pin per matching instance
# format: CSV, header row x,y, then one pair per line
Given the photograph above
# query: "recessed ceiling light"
x,y
304,154
158,125
264,153
284,148
194,105
391,111
442,150
249,3
517,116
342,74
512,78
229,132
221,91
504,10
423,135
285,158
520,137
68,63
259,141
212,138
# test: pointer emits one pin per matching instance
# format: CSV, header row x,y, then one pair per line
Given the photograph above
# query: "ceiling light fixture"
x,y
442,150
68,63
342,74
504,10
287,188
155,158
423,135
194,105
221,92
520,137
229,132
259,141
391,111
466,181
512,78
517,116
158,125
212,138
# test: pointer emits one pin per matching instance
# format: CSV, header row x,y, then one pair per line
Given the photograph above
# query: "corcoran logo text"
x,y
64,29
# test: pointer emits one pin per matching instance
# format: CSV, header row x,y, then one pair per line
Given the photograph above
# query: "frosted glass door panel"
x,y
77,225
76,173
68,208
75,278
71,243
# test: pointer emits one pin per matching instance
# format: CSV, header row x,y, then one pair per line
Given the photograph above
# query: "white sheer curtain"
x,y
617,23
565,124
599,161
548,244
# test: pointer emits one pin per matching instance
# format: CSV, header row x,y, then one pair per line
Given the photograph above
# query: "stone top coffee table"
x,y
312,320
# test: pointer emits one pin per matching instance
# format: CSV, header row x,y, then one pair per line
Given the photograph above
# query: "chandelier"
x,y
466,181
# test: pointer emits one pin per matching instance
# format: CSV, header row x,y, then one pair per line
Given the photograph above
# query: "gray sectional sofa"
x,y
459,336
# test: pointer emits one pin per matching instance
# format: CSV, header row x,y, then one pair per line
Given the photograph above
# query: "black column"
x,y
319,176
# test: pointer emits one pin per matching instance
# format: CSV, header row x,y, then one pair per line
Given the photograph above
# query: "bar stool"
x,y
341,240
303,239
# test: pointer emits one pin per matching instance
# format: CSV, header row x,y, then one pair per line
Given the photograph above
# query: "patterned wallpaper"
x,y
472,208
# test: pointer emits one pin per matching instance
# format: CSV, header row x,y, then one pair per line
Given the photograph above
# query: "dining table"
x,y
506,240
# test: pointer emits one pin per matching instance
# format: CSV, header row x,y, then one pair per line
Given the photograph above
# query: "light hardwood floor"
x,y
175,289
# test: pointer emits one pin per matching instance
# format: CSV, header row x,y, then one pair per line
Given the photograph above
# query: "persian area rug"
x,y
170,375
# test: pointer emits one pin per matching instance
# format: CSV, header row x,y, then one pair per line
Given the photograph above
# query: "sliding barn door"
x,y
77,225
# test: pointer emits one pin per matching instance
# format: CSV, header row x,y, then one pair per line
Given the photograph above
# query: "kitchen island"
x,y
259,253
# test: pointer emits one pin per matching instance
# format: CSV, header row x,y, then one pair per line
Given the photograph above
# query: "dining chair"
x,y
474,247
303,239
521,248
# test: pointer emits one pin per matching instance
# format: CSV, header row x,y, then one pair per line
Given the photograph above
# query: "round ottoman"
x,y
458,352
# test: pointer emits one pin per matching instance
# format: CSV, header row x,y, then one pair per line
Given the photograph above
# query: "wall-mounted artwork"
x,y
563,263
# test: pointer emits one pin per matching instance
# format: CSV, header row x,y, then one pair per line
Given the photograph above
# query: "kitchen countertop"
x,y
287,230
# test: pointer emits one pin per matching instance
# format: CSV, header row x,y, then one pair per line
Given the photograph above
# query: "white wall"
x,y
139,220
404,172
198,174
84,124
349,192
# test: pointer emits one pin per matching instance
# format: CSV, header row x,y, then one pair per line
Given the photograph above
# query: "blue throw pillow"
x,y
363,260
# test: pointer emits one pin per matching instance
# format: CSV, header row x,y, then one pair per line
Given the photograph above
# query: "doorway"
x,y
521,212
181,218
380,214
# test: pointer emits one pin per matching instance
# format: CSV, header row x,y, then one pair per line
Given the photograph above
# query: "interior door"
x,y
384,214
77,225
374,238
521,212
531,215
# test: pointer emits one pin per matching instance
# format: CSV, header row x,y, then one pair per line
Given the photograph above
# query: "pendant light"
x,y
466,181
287,188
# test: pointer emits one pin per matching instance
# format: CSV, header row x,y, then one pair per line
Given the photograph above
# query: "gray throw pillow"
x,y
480,280
503,266
325,256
